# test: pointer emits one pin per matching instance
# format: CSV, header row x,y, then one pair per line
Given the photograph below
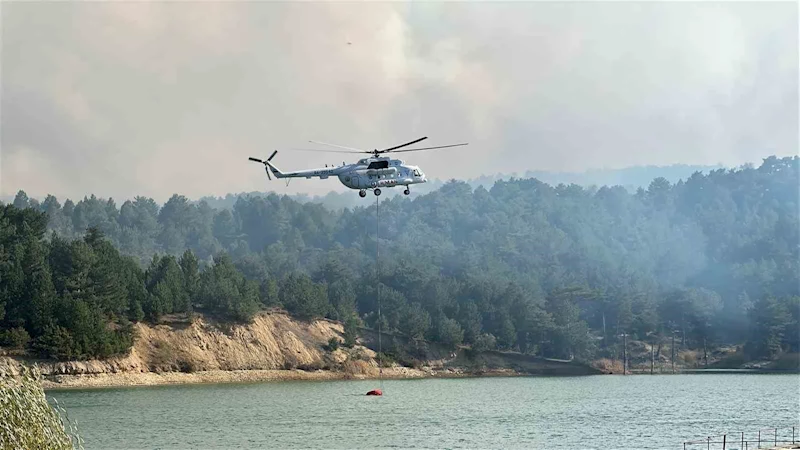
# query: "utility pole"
x,y
625,347
705,352
624,353
673,351
652,358
683,331
605,338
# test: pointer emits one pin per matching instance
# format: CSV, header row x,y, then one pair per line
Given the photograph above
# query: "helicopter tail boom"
x,y
309,173
275,170
269,166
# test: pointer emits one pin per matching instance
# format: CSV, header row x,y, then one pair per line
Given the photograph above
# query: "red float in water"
x,y
375,392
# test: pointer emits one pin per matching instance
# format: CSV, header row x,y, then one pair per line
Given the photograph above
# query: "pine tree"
x,y
191,276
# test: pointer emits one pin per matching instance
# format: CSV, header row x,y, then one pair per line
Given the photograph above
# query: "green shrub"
x,y
351,330
787,361
16,338
731,361
333,344
385,359
26,418
484,342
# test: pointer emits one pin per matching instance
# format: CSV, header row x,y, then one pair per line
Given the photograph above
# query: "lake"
x,y
594,412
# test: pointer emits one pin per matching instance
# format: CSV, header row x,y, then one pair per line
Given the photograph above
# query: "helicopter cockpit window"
x,y
378,165
416,172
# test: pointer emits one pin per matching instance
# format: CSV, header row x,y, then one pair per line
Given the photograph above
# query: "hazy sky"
x,y
153,98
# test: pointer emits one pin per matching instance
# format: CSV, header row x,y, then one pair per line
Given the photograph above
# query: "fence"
x,y
786,437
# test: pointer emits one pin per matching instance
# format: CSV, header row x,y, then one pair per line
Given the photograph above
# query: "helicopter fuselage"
x,y
370,173
367,173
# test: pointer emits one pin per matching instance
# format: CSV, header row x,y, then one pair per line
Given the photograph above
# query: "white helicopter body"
x,y
373,173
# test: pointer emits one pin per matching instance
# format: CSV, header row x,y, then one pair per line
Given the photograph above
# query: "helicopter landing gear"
x,y
377,191
362,193
407,191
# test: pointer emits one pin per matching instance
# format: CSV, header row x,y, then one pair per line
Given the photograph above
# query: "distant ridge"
x,y
630,177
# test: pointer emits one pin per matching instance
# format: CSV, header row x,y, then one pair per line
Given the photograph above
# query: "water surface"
x,y
595,412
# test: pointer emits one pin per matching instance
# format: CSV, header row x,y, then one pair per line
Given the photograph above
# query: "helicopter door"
x,y
354,180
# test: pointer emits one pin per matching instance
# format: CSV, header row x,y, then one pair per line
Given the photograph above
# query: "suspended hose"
x,y
378,279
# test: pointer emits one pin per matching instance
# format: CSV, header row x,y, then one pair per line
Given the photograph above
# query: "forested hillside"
x,y
558,271
631,178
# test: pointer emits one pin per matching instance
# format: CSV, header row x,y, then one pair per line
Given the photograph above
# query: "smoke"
x,y
153,98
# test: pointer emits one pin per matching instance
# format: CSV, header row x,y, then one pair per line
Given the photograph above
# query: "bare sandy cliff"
x,y
272,347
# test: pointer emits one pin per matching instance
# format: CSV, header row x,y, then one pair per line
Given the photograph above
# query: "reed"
x,y
27,420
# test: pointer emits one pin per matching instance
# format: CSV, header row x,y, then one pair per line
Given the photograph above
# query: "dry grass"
x,y
358,367
690,358
27,420
606,365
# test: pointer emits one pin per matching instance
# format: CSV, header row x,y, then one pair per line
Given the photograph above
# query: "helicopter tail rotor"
x,y
267,164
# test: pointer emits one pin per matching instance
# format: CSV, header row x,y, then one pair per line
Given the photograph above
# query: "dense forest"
x,y
630,178
559,271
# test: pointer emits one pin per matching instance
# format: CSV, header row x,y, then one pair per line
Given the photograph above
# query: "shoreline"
x,y
144,379
55,382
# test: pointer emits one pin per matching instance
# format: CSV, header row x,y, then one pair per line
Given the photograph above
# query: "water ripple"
x,y
635,412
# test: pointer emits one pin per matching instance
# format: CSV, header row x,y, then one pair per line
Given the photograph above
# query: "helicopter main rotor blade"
x,y
402,145
340,146
324,151
430,148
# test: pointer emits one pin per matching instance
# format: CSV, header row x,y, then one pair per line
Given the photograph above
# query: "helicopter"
x,y
374,172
